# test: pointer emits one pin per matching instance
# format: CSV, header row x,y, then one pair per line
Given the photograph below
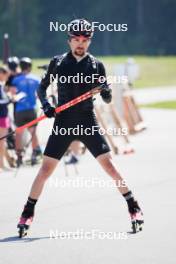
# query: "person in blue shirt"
x,y
24,87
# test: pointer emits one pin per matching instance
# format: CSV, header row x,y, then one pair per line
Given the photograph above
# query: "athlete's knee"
x,y
108,164
46,170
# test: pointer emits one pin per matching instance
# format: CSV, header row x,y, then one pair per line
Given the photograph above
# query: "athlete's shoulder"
x,y
59,56
56,60
93,58
97,64
17,78
56,57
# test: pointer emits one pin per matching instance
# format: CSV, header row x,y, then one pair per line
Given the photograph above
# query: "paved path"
x,y
155,94
151,174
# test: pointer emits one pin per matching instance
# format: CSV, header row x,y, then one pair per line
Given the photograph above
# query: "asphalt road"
x,y
67,217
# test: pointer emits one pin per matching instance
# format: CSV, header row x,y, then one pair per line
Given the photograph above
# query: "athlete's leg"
x,y
100,150
35,141
31,115
109,166
48,166
18,141
19,121
98,146
133,207
3,132
54,151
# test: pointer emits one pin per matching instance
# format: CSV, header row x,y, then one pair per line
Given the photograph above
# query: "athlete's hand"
x,y
49,110
106,93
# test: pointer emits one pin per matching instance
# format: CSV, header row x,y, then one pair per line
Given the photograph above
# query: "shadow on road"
x,y
16,239
21,240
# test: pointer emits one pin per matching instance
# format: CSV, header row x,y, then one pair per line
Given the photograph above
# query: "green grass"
x,y
165,105
154,71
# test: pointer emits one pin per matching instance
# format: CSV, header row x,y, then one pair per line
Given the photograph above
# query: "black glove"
x,y
106,94
49,110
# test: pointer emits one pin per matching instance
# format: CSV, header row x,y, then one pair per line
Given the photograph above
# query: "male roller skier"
x,y
77,60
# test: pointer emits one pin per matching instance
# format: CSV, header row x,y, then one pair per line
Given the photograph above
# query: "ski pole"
x,y
59,109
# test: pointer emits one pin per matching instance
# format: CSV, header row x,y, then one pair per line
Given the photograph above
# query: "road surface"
x,y
67,217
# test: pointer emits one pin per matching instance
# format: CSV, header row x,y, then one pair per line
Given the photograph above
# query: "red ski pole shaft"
x,y
59,109
77,100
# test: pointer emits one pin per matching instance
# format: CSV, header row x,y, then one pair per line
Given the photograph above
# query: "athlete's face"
x,y
3,76
79,45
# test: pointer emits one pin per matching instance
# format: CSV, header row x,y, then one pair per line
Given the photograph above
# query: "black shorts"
x,y
68,128
24,117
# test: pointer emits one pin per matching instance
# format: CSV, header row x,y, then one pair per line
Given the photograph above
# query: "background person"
x,y
25,86
14,69
4,119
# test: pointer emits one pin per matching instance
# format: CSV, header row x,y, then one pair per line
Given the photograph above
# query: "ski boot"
x,y
137,219
36,156
73,160
25,222
19,161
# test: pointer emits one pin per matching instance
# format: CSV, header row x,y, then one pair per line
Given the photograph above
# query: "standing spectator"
x,y
14,70
25,86
4,119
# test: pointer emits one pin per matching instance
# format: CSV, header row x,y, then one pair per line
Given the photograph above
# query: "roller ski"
x,y
25,222
137,219
135,212
23,226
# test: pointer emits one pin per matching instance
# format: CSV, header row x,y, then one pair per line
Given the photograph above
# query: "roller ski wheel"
x,y
24,226
137,222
